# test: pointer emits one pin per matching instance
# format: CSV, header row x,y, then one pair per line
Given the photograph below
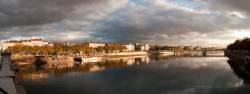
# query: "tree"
x,y
243,44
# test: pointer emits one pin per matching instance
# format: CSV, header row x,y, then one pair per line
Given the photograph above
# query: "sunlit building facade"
x,y
31,42
95,44
129,47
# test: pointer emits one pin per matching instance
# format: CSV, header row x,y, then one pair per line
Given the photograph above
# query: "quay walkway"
x,y
7,76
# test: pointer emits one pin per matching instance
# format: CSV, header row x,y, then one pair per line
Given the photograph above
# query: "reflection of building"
x,y
58,62
96,68
131,60
146,60
142,60
30,42
35,76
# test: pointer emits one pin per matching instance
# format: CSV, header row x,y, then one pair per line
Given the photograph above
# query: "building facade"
x,y
142,47
95,44
129,47
31,42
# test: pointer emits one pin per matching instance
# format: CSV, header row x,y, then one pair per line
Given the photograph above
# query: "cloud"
x,y
162,22
230,5
188,22
48,18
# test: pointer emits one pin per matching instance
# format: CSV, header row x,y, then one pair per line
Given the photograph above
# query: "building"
x,y
142,47
187,47
1,46
95,44
30,42
35,42
197,48
147,47
129,47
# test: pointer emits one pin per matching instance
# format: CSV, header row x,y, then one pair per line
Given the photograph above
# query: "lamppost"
x,y
1,47
1,50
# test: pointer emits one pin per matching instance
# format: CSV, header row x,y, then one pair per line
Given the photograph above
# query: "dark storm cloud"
x,y
154,21
165,25
51,19
37,12
230,5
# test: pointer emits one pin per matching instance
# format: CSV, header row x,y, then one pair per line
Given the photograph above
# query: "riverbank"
x,y
9,83
124,54
57,60
240,63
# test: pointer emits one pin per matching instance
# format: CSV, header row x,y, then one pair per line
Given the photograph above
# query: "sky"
x,y
159,22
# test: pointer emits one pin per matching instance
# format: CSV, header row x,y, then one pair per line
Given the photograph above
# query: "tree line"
x,y
243,44
63,49
158,48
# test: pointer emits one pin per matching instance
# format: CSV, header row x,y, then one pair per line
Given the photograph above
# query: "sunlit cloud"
x,y
241,33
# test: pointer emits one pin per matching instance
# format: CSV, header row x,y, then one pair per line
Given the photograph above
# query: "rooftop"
x,y
29,40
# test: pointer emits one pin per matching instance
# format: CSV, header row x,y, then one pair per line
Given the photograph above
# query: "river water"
x,y
136,75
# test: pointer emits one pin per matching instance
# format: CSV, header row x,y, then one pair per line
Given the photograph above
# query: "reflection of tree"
x,y
40,65
160,57
39,62
112,64
241,69
78,59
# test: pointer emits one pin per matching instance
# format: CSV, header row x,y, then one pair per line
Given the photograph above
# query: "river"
x,y
136,75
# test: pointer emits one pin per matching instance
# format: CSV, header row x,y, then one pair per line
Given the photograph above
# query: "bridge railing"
x,y
7,84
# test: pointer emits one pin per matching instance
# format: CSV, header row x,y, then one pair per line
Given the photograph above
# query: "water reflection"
x,y
41,67
39,63
241,69
137,75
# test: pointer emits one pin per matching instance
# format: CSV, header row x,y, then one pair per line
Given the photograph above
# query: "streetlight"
x,y
1,46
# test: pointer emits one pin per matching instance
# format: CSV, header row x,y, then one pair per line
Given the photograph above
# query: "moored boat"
x,y
88,59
